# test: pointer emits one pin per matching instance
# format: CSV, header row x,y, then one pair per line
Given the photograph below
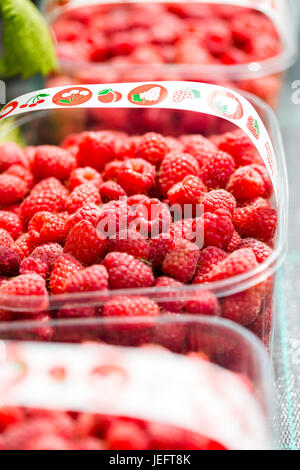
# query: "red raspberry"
x,y
152,148
112,170
246,25
174,168
198,146
81,195
235,240
24,245
238,262
159,247
114,217
90,443
10,415
45,201
89,212
181,262
110,191
23,173
134,201
190,191
48,252
256,222
11,222
126,148
260,249
169,301
47,227
86,243
250,182
240,147
25,285
29,152
135,175
127,272
53,161
6,239
64,267
217,170
81,312
50,185
131,242
186,228
49,442
203,303
84,175
124,435
12,189
11,154
262,325
217,38
95,149
32,265
9,262
218,229
130,307
242,308
219,199
94,278
208,259
152,217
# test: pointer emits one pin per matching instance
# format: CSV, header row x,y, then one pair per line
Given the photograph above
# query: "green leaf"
x,y
28,45
63,101
136,98
104,92
196,93
43,95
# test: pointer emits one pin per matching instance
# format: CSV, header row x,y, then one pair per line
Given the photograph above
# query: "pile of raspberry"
x,y
166,34
103,211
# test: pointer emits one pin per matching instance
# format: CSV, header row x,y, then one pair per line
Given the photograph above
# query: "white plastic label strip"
x,y
190,96
147,383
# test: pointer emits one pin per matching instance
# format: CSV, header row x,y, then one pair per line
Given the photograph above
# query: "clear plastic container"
x,y
52,125
121,43
188,377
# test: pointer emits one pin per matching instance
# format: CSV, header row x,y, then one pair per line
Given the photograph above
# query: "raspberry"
x,y
256,222
9,262
217,170
49,442
64,267
12,189
152,218
39,202
17,436
90,443
131,307
159,247
89,212
240,147
181,262
124,435
84,175
6,239
189,191
23,173
94,278
53,161
235,240
131,242
24,245
86,243
82,312
50,185
242,308
262,325
25,285
218,229
152,148
219,199
48,252
47,227
9,416
170,304
238,262
217,38
110,191
250,182
260,249
81,195
186,228
203,303
198,146
174,168
11,154
126,272
126,148
136,175
112,170
11,222
32,265
95,149
114,217
208,259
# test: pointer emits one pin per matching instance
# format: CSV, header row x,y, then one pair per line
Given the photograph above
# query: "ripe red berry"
x,y
93,278
135,176
52,161
152,148
174,168
64,267
256,222
236,263
250,182
130,307
219,199
84,175
181,262
152,217
208,259
131,242
81,195
203,303
111,191
11,154
86,243
217,170
12,189
95,149
127,272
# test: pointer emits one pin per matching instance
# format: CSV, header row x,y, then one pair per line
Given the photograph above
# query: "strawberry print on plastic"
x,y
148,95
72,96
226,104
185,94
253,126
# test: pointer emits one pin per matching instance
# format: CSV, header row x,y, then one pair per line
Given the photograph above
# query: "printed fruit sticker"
x,y
9,108
185,94
35,100
148,95
72,96
253,126
109,96
226,103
